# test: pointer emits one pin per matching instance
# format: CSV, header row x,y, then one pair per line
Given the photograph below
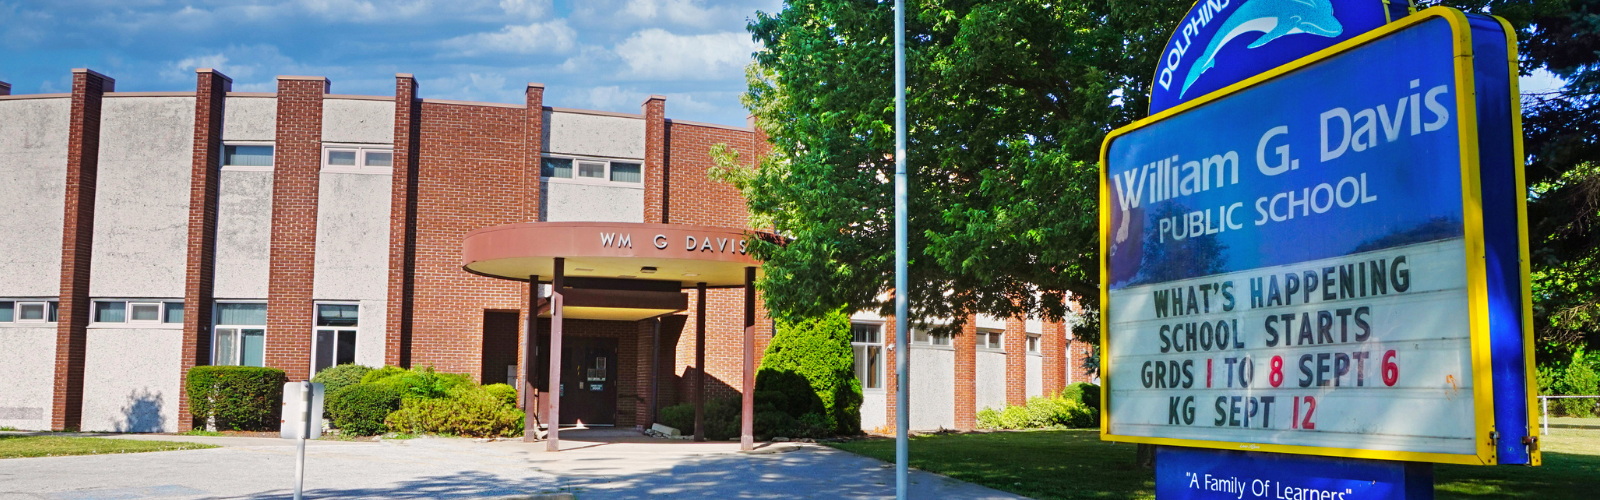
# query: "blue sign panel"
x,y
1221,42
1327,259
1190,473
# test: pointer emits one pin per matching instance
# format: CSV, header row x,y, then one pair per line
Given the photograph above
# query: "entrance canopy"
x,y
687,255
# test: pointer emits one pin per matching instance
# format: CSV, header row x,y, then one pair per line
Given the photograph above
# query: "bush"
x,y
1038,413
338,377
425,383
236,397
1084,393
811,364
468,411
505,392
721,419
382,374
361,409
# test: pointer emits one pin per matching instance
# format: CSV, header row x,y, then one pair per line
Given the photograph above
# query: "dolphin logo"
x,y
1273,18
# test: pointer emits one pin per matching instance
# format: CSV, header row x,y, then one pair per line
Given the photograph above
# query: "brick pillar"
x,y
297,162
402,221
211,91
77,238
656,176
5,88
966,375
891,374
1016,345
534,136
1053,344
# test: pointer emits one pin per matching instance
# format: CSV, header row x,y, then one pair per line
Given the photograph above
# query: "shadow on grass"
x,y
1563,475
1055,464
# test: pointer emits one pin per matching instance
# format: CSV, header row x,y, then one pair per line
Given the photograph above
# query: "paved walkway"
x,y
607,468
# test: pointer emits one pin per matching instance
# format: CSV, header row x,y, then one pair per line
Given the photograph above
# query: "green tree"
x,y
1008,103
809,368
1561,136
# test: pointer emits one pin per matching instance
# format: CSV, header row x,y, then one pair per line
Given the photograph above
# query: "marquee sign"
x,y
1325,258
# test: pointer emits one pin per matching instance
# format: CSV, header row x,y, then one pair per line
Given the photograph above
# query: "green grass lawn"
x,y
22,446
1076,464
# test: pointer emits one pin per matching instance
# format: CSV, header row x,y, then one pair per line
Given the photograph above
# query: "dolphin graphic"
x,y
1274,18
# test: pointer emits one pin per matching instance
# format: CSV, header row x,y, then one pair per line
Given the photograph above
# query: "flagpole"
x,y
901,293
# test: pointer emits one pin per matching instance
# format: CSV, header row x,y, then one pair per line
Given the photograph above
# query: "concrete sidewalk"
x,y
463,468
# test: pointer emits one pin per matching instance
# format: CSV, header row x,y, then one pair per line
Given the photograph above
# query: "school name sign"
x,y
1296,263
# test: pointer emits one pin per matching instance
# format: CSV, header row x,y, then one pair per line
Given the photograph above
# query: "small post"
x,y
700,362
530,346
553,437
748,399
1544,415
305,431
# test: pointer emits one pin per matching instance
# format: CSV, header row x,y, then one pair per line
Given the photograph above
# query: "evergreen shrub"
x,y
721,418
811,364
361,409
467,411
246,398
338,377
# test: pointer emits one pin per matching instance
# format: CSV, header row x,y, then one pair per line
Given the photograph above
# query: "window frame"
x,y
930,339
217,326
992,340
222,158
361,151
49,318
162,307
605,177
863,347
318,329
1034,344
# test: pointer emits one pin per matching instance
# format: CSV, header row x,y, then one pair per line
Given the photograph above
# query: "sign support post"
x,y
302,420
902,351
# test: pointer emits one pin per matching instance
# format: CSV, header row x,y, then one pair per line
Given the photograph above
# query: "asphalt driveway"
x,y
608,468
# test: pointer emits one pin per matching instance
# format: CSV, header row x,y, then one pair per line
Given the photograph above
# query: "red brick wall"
x,y
1053,343
1016,345
470,174
966,375
297,163
693,198
402,222
724,342
533,133
77,239
211,89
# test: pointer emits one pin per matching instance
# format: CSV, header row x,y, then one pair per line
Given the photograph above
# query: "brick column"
x,y
77,238
402,221
1053,344
534,135
5,88
1016,345
211,91
966,375
297,162
891,374
656,177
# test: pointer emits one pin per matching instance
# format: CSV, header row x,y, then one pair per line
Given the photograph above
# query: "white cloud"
x,y
656,54
613,98
484,87
537,38
184,69
526,9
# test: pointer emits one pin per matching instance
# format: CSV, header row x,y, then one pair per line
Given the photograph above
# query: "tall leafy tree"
x,y
1562,140
1008,103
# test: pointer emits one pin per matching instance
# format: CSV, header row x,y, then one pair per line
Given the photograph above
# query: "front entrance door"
x,y
588,380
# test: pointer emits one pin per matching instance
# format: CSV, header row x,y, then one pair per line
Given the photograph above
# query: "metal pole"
x,y
1544,415
902,445
305,431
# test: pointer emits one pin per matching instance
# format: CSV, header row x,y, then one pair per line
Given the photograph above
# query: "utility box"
x,y
295,414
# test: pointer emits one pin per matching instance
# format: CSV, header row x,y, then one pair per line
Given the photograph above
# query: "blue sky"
x,y
595,54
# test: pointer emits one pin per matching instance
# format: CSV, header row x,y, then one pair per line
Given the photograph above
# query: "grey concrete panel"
x,y
28,367
1035,376
933,395
250,119
991,380
574,201
593,135
244,235
359,121
371,342
352,260
141,223
874,409
33,184
130,380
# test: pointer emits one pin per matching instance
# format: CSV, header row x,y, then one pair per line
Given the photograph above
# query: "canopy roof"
x,y
684,254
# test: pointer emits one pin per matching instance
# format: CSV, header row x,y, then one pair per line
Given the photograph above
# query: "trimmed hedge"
x,y
424,383
1040,412
468,412
246,398
721,418
810,364
1084,393
381,374
361,409
338,377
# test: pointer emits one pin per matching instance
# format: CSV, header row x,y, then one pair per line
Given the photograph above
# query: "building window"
x,y
593,170
335,342
247,156
992,340
240,334
866,339
920,336
1033,344
358,159
146,312
28,311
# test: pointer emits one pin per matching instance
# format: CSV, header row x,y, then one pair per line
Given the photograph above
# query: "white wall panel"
x,y
33,173
358,120
28,367
130,380
244,235
250,119
141,219
593,135
572,201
